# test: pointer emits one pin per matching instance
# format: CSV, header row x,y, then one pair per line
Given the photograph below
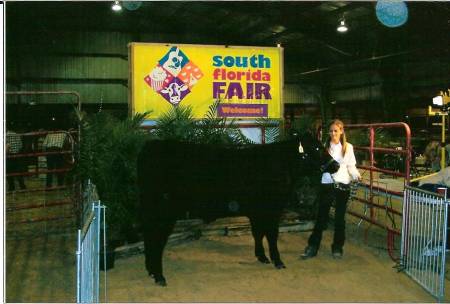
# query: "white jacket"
x,y
347,170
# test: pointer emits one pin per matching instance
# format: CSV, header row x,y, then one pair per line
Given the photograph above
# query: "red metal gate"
x,y
41,208
372,167
39,201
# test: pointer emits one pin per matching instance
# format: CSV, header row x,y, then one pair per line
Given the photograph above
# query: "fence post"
x,y
78,253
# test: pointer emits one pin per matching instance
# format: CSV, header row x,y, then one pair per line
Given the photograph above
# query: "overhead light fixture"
x,y
442,102
116,6
342,27
278,44
438,101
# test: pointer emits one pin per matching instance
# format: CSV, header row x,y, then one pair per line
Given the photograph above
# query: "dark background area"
x,y
372,73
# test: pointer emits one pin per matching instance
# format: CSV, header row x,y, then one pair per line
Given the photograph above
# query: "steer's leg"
x,y
147,252
158,239
272,238
258,235
156,232
151,245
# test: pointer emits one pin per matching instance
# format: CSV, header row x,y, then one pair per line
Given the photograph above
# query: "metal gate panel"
x,y
424,238
88,249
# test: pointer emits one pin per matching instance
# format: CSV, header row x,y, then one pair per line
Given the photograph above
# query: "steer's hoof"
x,y
279,265
161,282
263,259
159,279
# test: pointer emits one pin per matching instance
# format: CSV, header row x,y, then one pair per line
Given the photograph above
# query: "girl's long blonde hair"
x,y
343,138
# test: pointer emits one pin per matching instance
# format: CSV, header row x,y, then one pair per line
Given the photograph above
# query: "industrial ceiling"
x,y
414,56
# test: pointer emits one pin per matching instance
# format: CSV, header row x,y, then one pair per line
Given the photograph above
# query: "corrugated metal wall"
x,y
94,64
297,94
360,86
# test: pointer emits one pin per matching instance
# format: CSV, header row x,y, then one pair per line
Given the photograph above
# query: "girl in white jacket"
x,y
334,187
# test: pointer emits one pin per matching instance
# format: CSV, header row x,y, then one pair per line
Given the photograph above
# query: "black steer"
x,y
211,182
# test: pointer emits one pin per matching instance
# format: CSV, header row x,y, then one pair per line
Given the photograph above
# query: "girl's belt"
x,y
341,186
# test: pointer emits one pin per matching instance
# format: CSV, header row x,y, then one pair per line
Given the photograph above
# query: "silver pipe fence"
x,y
424,238
88,248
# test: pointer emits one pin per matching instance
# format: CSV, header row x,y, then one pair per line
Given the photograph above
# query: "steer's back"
x,y
191,174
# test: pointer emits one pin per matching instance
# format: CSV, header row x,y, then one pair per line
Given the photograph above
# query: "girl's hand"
x,y
356,177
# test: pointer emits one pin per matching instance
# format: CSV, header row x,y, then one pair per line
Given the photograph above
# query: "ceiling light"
x,y
116,6
278,44
438,101
342,28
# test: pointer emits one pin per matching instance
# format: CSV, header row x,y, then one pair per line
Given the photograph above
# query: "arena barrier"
x,y
35,206
374,189
88,248
39,208
424,238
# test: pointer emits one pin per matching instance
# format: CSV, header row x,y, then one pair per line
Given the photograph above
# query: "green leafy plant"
x,y
107,156
178,123
219,130
272,132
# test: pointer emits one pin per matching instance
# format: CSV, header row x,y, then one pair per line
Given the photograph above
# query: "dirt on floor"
x,y
41,269
216,269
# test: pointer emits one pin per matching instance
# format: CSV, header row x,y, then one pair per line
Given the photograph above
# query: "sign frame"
x,y
132,74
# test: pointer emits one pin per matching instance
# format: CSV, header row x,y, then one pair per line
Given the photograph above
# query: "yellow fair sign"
x,y
246,80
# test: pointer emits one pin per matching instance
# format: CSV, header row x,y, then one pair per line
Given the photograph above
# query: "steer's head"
x,y
313,153
309,148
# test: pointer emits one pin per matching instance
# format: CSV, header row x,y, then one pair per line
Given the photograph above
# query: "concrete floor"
x,y
217,269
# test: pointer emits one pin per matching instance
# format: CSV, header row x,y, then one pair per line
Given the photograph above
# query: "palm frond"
x,y
177,123
108,153
273,132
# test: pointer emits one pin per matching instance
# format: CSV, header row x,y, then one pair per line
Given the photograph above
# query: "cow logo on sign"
x,y
174,76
